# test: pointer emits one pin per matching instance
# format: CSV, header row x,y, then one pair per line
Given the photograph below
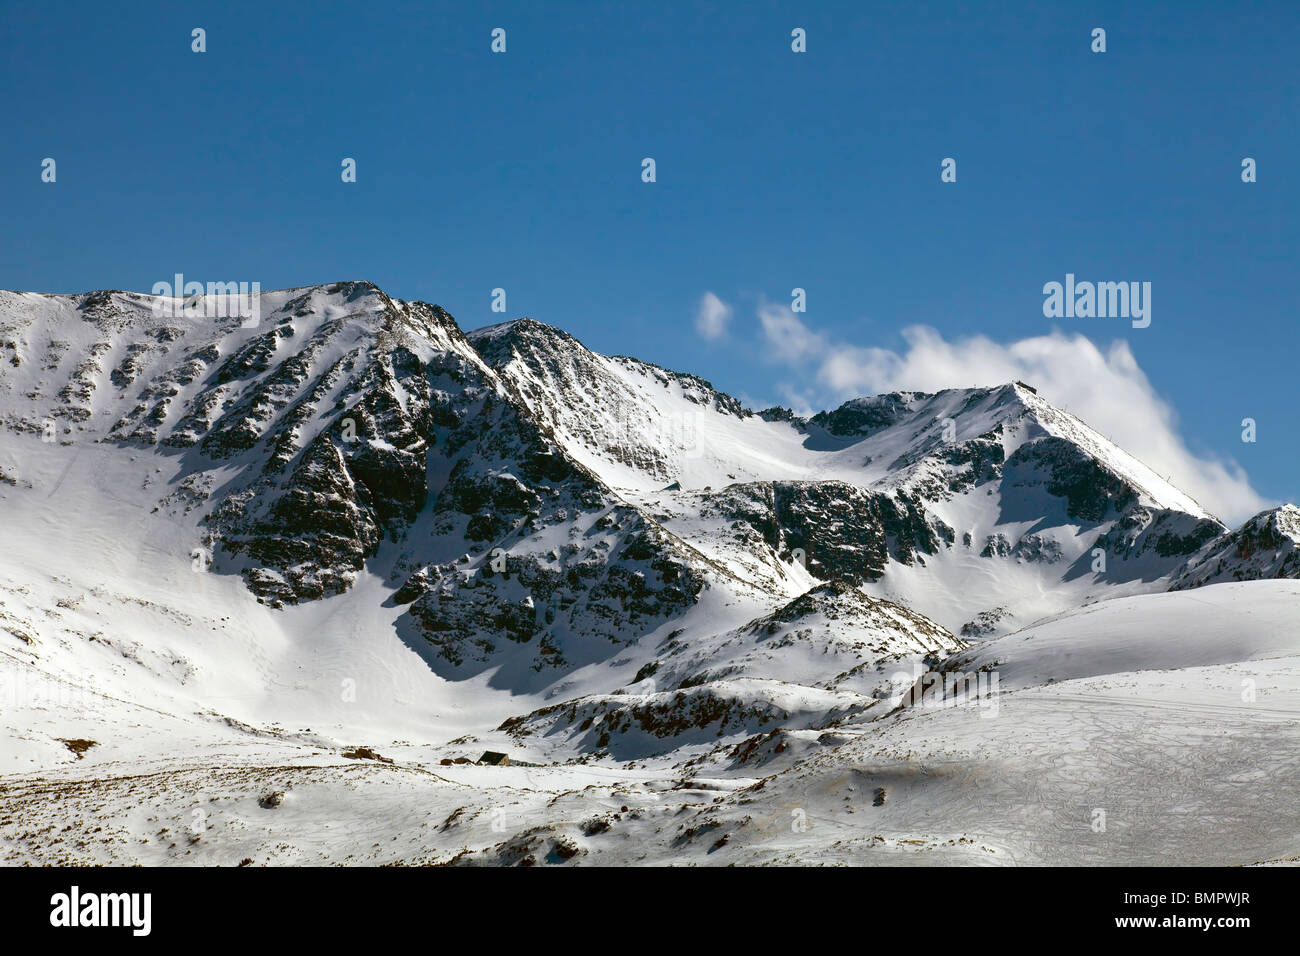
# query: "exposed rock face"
x,y
628,727
984,623
1166,534
862,417
618,580
1266,546
843,533
1090,490
340,423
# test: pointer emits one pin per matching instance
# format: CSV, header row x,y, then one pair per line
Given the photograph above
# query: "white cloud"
x,y
1105,388
712,316
789,338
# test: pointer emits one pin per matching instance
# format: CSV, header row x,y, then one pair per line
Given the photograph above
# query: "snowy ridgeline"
x,y
321,555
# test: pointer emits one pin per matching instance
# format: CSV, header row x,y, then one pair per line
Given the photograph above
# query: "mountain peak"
x,y
524,327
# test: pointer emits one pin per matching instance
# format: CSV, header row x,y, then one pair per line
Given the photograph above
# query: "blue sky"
x,y
775,170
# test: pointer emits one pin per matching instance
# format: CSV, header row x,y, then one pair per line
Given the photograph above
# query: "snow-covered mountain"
x,y
1266,546
916,496
353,525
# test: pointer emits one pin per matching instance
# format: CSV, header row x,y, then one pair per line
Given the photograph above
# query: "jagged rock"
x,y
1266,546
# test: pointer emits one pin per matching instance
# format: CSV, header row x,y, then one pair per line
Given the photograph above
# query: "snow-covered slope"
x,y
1220,624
